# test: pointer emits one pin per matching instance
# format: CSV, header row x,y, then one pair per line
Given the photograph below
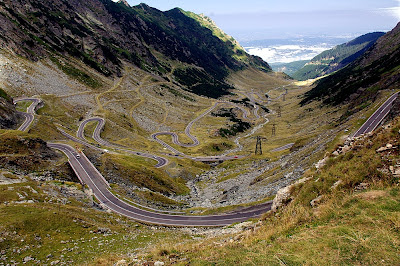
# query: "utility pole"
x,y
273,129
258,145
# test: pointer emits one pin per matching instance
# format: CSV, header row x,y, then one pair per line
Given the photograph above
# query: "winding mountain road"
x,y
90,176
161,161
30,111
195,141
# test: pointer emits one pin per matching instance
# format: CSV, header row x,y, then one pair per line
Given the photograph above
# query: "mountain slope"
x,y
337,58
377,69
346,212
289,68
104,34
9,117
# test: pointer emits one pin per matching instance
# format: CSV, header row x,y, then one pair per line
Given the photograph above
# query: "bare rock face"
x,y
282,197
124,2
9,117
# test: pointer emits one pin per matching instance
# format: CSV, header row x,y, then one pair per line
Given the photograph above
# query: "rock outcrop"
x,y
9,117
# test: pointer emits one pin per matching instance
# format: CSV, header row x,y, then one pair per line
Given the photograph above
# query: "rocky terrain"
x,y
9,117
104,35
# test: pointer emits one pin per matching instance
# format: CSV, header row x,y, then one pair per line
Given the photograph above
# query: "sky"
x,y
265,19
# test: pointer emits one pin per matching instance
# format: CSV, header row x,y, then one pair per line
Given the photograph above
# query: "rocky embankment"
x,y
9,117
390,149
26,153
211,190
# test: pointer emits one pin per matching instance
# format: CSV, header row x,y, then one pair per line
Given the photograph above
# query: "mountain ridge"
x,y
103,34
360,81
337,57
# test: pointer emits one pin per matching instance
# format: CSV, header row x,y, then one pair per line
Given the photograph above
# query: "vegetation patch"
x,y
137,172
75,73
245,101
177,93
4,95
25,151
239,125
201,83
157,198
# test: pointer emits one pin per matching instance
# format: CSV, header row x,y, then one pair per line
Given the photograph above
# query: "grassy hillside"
x,y
337,58
55,222
348,212
360,81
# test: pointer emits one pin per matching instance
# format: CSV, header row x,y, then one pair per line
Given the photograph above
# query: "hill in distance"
x,y
359,82
336,58
288,68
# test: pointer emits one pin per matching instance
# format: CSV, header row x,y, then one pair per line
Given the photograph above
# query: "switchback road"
x,y
30,112
195,141
161,161
89,175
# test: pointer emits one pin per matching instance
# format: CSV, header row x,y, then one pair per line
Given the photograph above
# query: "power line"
x,y
258,145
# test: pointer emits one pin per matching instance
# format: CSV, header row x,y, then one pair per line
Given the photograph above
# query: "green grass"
x,y
54,229
136,170
76,74
347,227
157,198
23,105
4,95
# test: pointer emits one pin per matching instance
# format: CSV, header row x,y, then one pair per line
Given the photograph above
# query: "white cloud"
x,y
288,53
392,11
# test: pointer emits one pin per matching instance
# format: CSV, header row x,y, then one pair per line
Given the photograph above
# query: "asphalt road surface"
x,y
161,161
89,175
30,112
175,137
376,118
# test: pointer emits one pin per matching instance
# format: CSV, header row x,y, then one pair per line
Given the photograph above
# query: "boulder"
x,y
282,197
28,258
362,186
321,163
316,201
336,184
